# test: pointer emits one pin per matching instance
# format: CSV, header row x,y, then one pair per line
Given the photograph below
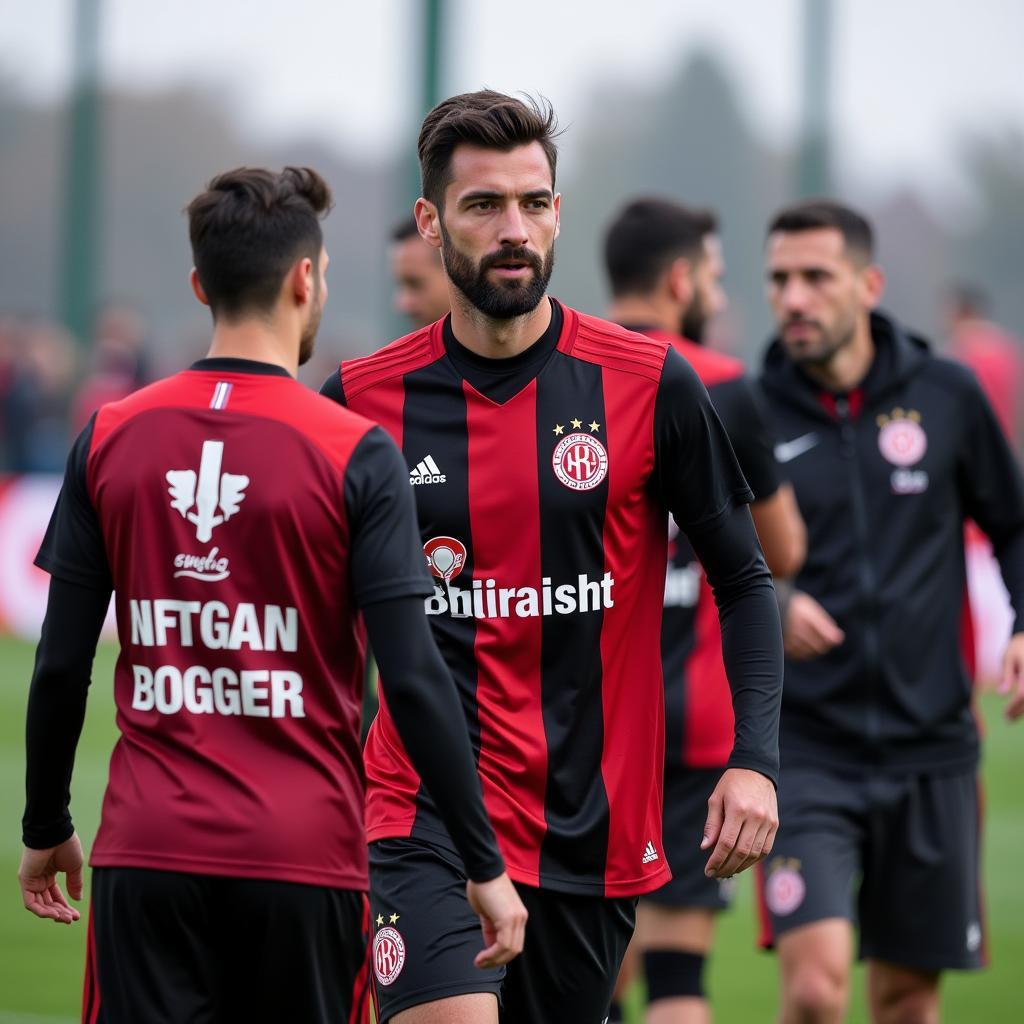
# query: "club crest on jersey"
x,y
388,955
445,557
784,888
214,495
580,461
901,438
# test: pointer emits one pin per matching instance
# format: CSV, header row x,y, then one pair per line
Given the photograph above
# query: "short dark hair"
x,y
405,228
248,228
485,118
814,214
647,236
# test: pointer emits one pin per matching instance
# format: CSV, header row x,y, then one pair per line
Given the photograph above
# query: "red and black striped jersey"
x,y
543,484
241,521
699,720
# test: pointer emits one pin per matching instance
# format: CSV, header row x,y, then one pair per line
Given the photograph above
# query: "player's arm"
x,y
780,527
993,490
697,477
80,586
390,581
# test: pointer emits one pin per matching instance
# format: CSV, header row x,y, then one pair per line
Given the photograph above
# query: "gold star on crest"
x,y
576,424
393,919
595,426
380,920
559,429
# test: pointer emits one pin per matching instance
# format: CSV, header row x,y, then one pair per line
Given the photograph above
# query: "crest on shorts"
x,y
784,888
579,460
445,557
901,438
388,955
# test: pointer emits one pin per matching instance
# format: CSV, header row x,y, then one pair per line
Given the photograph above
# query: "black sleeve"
x,y
751,635
425,708
695,474
56,708
332,388
993,491
752,441
73,548
386,558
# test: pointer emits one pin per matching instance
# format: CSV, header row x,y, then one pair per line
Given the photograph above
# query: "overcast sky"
x,y
910,76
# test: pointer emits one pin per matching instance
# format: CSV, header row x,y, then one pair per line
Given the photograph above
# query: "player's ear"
x,y
197,288
302,281
557,205
679,281
428,222
872,285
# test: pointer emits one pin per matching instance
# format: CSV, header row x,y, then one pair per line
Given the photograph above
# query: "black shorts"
x,y
898,856
172,948
426,936
686,811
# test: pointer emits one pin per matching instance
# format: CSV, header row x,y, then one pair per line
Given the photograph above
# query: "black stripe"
x,y
678,637
434,423
571,545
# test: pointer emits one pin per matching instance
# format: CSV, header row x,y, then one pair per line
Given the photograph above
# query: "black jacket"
x,y
885,489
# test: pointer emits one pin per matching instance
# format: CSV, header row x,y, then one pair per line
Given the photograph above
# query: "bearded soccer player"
x,y
421,288
889,449
664,265
560,444
243,523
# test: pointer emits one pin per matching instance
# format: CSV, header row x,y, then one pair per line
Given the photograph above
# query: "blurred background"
x,y
114,113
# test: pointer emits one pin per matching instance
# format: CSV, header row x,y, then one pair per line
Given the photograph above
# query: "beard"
x,y
820,352
694,322
506,300
307,341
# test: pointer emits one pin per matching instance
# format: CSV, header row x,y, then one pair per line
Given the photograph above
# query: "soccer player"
x,y
664,265
421,288
546,449
889,449
243,524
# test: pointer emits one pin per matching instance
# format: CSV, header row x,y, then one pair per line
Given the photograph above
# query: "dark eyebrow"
x,y
479,194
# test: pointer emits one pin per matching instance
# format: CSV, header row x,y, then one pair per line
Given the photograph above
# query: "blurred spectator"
x,y
36,402
119,363
993,353
421,287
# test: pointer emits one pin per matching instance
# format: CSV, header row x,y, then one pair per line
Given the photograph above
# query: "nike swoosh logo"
x,y
789,450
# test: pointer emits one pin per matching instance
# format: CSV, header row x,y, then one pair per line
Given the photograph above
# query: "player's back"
x,y
220,494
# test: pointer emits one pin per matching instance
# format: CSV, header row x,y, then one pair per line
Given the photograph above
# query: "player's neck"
x,y
498,339
643,311
259,340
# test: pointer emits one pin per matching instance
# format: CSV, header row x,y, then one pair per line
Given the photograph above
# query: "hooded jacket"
x,y
885,477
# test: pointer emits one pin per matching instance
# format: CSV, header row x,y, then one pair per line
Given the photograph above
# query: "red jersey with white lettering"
x,y
699,720
543,484
226,507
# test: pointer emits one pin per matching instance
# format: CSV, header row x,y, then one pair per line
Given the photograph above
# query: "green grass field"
x,y
41,963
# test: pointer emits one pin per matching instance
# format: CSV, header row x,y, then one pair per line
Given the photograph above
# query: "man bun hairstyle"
x,y
647,236
486,118
815,214
248,228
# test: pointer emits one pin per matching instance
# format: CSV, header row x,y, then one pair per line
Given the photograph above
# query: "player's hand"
x,y
37,877
502,917
809,631
1012,681
743,817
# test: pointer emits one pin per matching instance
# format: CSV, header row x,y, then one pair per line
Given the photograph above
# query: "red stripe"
x,y
91,988
513,749
359,1012
385,405
765,937
633,702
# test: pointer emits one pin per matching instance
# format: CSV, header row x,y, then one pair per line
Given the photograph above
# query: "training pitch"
x,y
41,963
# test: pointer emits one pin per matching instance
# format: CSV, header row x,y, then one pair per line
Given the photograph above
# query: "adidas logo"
x,y
427,472
650,853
